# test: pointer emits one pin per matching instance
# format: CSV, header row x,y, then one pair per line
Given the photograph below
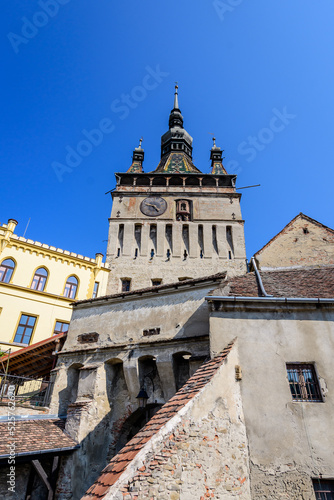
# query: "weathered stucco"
x,y
97,383
303,242
290,442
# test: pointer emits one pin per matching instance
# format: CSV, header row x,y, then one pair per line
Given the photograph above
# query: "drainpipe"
x,y
258,277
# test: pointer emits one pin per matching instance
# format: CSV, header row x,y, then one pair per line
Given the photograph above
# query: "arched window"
x,y
39,281
6,270
71,287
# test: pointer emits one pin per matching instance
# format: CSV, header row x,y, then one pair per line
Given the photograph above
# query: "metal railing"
x,y
35,392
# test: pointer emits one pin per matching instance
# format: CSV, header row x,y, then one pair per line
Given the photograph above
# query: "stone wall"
x,y
200,453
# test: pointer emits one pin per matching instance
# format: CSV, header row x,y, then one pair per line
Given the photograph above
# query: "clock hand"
x,y
151,205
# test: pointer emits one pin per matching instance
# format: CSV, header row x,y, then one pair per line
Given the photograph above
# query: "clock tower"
x,y
175,222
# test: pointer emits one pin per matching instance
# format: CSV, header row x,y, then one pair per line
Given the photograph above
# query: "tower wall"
x,y
142,248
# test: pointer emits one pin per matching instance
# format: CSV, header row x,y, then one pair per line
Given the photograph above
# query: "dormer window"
x,y
183,211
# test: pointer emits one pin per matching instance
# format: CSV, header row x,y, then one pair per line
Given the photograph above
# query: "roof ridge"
x,y
119,463
301,214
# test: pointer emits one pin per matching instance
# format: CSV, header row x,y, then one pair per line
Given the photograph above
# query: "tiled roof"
x,y
120,462
299,216
36,359
309,282
33,436
156,289
176,163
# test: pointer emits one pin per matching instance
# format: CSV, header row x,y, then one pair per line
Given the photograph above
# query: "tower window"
x,y
183,211
138,235
214,239
153,235
229,240
201,240
126,284
305,230
120,237
169,236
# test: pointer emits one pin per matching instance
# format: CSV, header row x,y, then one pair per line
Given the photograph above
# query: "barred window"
x,y
303,382
324,489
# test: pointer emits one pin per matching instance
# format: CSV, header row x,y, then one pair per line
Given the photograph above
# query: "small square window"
x,y
303,382
324,489
156,282
126,284
61,327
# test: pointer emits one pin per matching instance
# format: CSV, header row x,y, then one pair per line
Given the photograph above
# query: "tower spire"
x,y
176,99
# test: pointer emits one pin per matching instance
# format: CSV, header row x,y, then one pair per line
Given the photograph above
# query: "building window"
x,y
324,489
25,329
61,327
71,287
156,282
6,270
183,211
39,281
126,284
303,382
96,289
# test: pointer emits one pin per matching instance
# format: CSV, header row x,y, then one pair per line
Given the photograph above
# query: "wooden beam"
x,y
42,474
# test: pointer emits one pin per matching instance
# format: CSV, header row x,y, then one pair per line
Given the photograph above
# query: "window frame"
x,y
77,287
95,289
156,281
302,387
13,269
29,315
323,484
46,279
63,322
123,280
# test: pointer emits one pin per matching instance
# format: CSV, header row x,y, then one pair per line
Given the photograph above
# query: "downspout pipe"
x,y
259,280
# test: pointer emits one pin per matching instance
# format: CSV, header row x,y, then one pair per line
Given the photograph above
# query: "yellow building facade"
x,y
38,284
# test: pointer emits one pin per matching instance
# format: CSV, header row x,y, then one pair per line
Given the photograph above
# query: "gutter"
x,y
268,298
259,279
42,452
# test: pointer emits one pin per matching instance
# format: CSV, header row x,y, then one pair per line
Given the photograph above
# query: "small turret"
x,y
217,160
137,159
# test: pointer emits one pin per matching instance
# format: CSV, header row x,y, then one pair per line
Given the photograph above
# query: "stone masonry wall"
x,y
200,453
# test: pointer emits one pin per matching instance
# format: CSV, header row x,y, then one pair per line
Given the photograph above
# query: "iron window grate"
x,y
303,382
324,489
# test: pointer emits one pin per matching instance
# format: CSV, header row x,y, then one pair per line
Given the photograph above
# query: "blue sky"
x,y
258,74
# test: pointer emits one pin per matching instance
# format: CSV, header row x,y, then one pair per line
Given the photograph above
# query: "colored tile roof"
x,y
299,216
120,462
156,289
176,163
35,436
36,359
309,282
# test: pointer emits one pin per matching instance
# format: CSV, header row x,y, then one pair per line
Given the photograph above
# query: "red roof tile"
x,y
309,282
33,436
119,463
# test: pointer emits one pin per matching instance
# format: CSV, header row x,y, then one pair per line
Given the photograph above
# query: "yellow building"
x,y
38,284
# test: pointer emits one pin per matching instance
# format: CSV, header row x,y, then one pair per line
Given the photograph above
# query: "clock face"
x,y
153,206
